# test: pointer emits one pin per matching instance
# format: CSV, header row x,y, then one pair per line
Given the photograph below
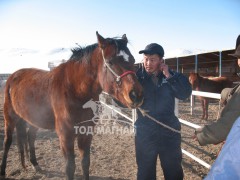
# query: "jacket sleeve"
x,y
228,161
180,85
218,131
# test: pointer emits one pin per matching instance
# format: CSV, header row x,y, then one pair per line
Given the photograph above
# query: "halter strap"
x,y
118,78
126,73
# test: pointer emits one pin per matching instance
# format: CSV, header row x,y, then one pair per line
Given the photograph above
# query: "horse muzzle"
x,y
137,99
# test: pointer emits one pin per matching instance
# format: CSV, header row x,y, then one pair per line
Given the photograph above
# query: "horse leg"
x,y
66,138
21,140
84,143
10,124
31,134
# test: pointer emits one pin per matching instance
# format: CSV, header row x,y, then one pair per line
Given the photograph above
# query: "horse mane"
x,y
79,52
82,53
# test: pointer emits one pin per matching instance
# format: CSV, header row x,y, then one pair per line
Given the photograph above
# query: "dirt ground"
x,y
112,155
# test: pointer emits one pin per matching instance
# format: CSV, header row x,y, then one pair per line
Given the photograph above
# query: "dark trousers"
x,y
152,143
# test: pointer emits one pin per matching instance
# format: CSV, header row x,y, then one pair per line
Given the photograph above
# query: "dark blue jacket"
x,y
159,100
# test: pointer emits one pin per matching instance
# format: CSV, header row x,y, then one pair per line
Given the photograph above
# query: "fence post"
x,y
220,64
134,115
196,63
192,104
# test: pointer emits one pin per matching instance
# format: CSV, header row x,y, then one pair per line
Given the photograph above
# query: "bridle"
x,y
118,78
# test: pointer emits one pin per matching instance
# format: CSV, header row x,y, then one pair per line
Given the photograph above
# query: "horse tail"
x,y
7,90
21,133
22,141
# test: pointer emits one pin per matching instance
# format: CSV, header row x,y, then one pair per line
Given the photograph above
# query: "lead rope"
x,y
162,124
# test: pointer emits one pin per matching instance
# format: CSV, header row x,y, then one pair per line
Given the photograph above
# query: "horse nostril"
x,y
133,96
136,98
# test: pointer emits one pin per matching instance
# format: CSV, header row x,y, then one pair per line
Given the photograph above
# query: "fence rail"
x,y
202,94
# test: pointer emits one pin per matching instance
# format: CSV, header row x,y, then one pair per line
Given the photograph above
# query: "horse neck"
x,y
205,84
199,85
81,79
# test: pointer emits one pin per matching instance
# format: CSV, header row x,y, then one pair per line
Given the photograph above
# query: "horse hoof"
x,y
37,168
2,174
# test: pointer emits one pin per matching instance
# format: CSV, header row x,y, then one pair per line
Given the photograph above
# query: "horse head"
x,y
116,75
194,80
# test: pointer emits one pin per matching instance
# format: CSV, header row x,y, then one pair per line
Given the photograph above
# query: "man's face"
x,y
239,62
152,63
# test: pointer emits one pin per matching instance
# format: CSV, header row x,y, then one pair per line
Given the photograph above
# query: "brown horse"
x,y
208,84
55,99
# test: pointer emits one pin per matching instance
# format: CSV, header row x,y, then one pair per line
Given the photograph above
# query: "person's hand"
x,y
165,70
194,135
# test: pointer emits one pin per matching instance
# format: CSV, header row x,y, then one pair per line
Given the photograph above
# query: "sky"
x,y
32,33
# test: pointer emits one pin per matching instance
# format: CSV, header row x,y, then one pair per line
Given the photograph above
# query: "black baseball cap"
x,y
237,42
236,53
237,49
153,48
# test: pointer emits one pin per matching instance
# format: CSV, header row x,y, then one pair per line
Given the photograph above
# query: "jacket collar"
x,y
148,76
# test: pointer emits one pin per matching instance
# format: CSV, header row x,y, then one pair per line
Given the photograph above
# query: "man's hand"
x,y
194,136
165,70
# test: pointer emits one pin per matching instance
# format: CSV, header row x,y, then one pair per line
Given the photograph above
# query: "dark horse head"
x,y
194,80
110,65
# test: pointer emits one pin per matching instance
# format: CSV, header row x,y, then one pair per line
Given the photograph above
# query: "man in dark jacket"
x,y
161,87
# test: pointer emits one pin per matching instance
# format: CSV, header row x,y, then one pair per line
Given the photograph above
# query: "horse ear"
x,y
124,37
101,41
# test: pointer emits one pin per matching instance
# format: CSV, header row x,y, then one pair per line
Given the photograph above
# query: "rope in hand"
x,y
144,113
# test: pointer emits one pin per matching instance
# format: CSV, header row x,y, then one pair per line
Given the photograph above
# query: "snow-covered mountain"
x,y
16,58
183,52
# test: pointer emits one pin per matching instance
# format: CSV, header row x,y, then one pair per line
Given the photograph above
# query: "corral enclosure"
x,y
113,155
216,63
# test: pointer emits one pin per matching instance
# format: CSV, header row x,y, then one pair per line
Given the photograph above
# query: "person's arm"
x,y
218,131
180,85
229,158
